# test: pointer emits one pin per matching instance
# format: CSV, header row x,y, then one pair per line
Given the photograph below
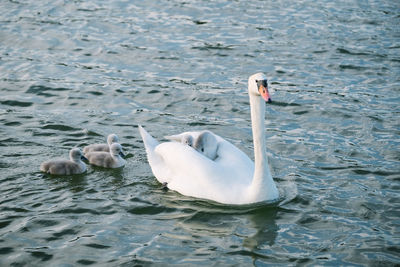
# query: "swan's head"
x,y
207,144
112,138
116,149
76,155
258,85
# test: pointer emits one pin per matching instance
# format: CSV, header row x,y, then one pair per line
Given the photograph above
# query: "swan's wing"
x,y
191,173
164,158
185,167
178,137
239,162
230,160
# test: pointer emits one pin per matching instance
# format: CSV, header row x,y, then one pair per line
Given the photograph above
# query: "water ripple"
x,y
73,72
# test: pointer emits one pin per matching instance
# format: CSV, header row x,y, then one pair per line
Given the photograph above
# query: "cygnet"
x,y
111,139
64,166
185,138
112,159
207,144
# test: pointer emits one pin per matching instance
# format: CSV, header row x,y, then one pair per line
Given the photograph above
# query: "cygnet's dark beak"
x,y
122,154
83,158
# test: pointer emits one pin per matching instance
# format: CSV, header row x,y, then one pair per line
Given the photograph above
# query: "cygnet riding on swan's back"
x,y
204,142
207,144
64,166
110,159
232,178
185,138
111,139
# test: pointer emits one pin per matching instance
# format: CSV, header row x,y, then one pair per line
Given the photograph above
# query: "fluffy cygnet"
x,y
111,139
207,144
64,166
185,138
112,159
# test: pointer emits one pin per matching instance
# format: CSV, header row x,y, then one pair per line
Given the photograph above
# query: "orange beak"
x,y
263,90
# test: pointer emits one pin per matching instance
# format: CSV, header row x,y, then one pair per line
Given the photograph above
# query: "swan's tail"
x,y
149,142
154,159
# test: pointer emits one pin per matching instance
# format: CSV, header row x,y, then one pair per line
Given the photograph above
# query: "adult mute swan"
x,y
232,178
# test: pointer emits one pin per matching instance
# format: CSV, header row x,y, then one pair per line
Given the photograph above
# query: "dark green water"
x,y
71,72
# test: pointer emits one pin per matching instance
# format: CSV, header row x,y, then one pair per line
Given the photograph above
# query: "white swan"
x,y
232,178
64,166
112,159
111,139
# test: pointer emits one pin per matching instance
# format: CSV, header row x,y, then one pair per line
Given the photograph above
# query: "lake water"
x,y
71,72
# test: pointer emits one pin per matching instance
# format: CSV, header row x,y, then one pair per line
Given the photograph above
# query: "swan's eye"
x,y
202,149
263,83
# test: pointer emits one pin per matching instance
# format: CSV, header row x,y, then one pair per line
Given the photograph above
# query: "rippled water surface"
x,y
71,72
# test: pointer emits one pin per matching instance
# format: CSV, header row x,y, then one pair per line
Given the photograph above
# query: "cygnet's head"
x,y
207,144
187,140
112,138
76,154
258,85
116,149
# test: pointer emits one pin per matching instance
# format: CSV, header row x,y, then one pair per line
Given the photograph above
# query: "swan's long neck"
x,y
262,187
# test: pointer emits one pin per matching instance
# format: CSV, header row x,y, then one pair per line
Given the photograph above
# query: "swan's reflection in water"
x,y
262,220
237,229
